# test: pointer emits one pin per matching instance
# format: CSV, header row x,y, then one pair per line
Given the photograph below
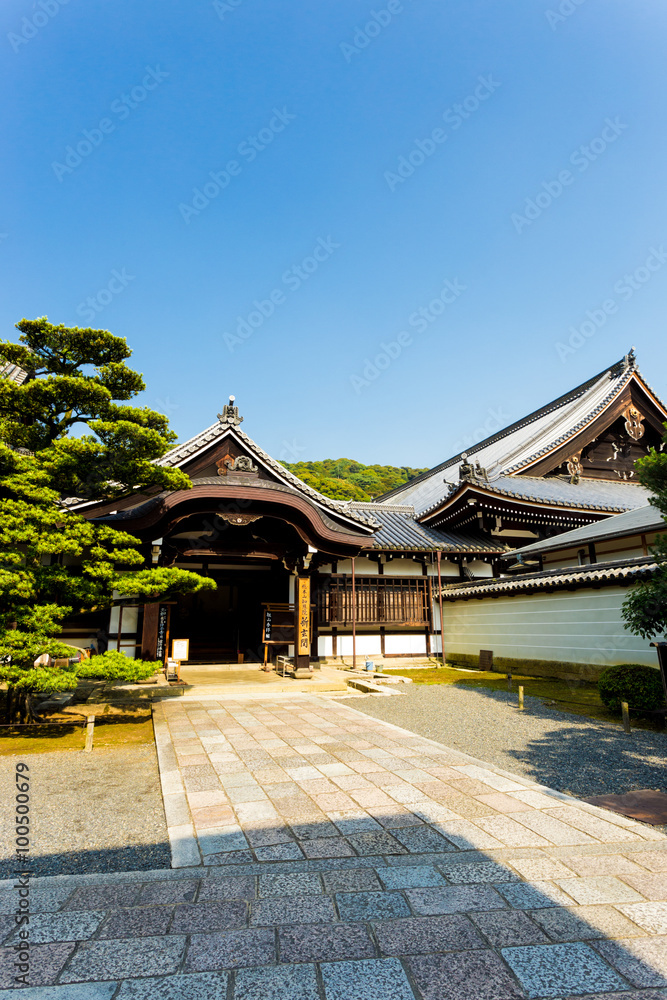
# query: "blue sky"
x,y
381,226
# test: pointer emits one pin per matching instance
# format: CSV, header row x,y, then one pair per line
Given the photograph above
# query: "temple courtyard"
x,y
318,852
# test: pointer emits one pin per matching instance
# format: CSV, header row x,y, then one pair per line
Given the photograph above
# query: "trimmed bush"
x,y
635,683
115,666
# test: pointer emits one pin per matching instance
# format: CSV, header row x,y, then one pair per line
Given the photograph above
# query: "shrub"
x,y
640,686
115,666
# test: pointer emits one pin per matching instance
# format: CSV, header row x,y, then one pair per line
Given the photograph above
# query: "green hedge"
x,y
640,686
115,666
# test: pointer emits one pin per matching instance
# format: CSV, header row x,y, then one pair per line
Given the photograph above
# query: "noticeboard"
x,y
180,649
278,626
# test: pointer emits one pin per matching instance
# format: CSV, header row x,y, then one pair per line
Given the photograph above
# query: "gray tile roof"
x,y
399,530
523,442
216,433
130,513
620,571
643,519
587,494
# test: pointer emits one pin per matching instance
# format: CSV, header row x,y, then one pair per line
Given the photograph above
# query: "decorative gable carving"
x,y
634,423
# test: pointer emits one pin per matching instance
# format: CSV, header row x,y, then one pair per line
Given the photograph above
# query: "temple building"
x,y
317,579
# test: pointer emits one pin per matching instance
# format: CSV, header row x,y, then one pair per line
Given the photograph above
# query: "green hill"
x,y
344,479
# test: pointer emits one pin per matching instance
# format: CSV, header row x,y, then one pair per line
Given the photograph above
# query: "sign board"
x,y
303,616
180,649
162,628
278,624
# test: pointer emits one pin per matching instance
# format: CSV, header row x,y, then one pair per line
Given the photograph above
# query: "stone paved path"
x,y
324,855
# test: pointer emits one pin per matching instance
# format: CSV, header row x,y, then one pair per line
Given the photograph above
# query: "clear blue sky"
x,y
305,112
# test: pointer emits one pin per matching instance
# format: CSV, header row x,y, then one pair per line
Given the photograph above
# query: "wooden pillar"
x,y
149,631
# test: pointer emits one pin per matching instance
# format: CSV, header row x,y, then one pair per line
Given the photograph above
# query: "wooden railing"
x,y
379,600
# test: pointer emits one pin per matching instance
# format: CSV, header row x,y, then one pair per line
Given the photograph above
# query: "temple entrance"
x,y
225,625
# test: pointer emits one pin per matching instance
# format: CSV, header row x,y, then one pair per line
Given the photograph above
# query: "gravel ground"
x,y
567,752
89,812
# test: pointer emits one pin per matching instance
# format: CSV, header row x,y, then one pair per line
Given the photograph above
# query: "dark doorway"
x,y
226,624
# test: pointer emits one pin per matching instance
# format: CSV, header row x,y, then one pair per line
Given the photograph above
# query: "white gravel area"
x,y
89,812
571,753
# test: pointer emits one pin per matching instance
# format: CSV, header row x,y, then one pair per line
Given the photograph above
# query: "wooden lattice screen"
x,y
379,600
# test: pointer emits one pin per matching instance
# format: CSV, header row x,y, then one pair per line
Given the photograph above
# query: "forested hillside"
x,y
344,479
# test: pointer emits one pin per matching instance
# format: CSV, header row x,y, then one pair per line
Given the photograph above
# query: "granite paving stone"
x,y
652,916
415,876
192,986
454,899
583,923
373,979
178,891
534,896
101,897
481,871
284,982
655,861
292,910
231,950
475,974
227,887
286,885
278,852
71,926
507,928
422,840
46,961
137,921
328,942
601,864
422,935
371,905
551,970
76,991
598,889
352,880
327,847
198,918
642,961
124,959
650,886
367,844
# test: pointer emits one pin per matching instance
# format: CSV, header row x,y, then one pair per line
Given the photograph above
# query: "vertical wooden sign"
x,y
162,633
302,624
303,619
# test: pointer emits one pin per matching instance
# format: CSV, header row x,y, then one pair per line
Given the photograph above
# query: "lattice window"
x,y
379,600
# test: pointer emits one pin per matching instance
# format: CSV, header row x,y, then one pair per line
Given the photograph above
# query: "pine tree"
x,y
645,608
53,561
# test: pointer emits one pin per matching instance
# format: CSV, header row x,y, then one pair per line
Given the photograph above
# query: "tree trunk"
x,y
20,707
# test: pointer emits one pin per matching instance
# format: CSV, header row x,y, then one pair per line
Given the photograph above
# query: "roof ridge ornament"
x,y
230,414
630,361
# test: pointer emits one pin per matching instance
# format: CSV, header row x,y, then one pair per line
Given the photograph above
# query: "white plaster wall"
x,y
402,567
366,644
580,626
479,568
362,566
324,645
130,618
405,643
447,568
